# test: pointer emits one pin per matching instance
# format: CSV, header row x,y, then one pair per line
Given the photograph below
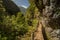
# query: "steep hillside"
x,y
23,10
49,17
10,6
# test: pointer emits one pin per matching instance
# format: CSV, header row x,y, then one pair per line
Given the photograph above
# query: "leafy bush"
x,y
13,26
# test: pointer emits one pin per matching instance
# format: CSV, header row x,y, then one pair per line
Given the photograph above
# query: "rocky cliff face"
x,y
53,14
50,14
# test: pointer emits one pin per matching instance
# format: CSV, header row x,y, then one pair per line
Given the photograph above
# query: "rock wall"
x,y
50,10
52,23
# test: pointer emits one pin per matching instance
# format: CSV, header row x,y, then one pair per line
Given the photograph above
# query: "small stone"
x,y
55,38
49,29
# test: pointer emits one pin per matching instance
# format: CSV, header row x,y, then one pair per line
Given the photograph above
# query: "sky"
x,y
23,3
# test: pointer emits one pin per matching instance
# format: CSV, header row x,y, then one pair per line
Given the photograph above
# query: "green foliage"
x,y
18,27
13,26
31,17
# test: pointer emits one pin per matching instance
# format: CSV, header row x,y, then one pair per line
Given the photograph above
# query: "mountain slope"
x,y
23,10
10,7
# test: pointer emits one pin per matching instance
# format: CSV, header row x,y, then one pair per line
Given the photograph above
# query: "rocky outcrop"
x,y
50,16
53,34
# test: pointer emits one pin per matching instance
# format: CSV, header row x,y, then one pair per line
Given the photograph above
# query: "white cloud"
x,y
24,6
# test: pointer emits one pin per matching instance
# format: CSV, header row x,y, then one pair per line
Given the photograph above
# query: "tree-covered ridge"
x,y
17,25
12,21
10,6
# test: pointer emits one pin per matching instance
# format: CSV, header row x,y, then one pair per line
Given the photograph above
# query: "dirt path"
x,y
38,34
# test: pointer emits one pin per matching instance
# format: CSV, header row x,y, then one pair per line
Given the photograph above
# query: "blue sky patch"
x,y
23,3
